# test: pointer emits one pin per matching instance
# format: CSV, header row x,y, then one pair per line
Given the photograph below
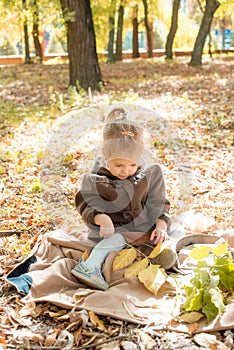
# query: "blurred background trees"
x,y
34,29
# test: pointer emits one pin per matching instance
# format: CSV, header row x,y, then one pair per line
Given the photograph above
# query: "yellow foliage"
x,y
190,317
138,266
201,252
85,255
221,249
124,258
96,321
157,250
153,278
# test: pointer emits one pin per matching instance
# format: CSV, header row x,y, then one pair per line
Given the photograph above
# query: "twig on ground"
x,y
6,233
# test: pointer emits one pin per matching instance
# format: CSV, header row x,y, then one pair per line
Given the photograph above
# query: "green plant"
x,y
211,282
36,186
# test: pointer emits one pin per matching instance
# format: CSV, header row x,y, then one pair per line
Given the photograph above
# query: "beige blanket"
x,y
126,299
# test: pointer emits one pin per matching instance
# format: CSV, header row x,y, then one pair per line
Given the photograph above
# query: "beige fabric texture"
x,y
126,299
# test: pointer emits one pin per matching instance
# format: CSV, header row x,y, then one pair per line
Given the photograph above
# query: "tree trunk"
x,y
222,27
211,7
84,70
148,28
210,45
135,48
110,48
37,44
27,58
173,29
119,37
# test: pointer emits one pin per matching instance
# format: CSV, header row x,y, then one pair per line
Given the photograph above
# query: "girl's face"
x,y
122,168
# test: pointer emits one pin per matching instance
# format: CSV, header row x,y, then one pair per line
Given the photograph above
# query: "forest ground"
x,y
198,103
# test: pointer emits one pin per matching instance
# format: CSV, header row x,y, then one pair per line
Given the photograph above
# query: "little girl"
x,y
121,200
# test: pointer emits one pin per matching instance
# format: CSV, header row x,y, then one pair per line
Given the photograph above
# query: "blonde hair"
x,y
122,138
118,126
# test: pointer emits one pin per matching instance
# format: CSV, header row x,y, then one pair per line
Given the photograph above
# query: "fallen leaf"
x,y
190,317
124,258
153,278
65,340
148,342
96,321
51,338
138,266
57,314
209,341
128,345
81,294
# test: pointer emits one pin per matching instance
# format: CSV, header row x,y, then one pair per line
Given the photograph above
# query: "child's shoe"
x,y
92,278
166,259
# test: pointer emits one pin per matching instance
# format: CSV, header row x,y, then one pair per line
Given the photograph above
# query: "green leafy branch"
x,y
211,282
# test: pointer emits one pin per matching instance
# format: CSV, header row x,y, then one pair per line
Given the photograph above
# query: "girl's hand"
x,y
106,225
106,232
159,234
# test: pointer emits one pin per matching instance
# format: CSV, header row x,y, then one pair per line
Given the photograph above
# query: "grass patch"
x,y
12,114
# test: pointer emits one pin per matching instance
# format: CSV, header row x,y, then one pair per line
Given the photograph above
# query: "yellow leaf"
x,y
221,249
57,314
124,258
153,278
85,255
201,252
190,317
148,342
81,294
77,335
27,309
159,248
26,249
96,321
138,266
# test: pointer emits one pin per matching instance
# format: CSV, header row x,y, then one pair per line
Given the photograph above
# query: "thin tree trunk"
x,y
37,44
222,26
210,38
211,7
84,70
110,48
135,47
119,37
148,28
210,45
173,30
27,58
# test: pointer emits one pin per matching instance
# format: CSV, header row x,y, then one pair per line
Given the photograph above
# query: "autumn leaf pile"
x,y
198,104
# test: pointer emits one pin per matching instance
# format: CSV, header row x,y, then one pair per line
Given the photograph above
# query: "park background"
x,y
26,19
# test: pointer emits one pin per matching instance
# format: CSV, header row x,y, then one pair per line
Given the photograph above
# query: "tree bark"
x,y
148,28
119,37
135,47
35,32
84,70
27,58
110,48
173,30
211,7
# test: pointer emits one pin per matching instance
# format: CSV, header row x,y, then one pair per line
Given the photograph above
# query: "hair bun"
x,y
117,114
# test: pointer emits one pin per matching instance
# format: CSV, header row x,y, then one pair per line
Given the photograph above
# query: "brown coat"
x,y
133,204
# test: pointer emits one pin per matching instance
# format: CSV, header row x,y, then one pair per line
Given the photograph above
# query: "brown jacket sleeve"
x,y
157,195
87,200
